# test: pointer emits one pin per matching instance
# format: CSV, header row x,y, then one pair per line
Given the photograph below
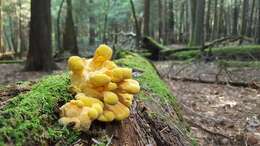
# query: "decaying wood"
x,y
157,50
7,93
253,85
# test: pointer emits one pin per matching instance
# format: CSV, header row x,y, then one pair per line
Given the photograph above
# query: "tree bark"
x,y
40,51
146,17
171,22
137,26
193,17
92,23
215,22
21,33
257,35
244,19
160,17
207,25
250,22
59,47
220,19
70,36
235,18
1,47
198,35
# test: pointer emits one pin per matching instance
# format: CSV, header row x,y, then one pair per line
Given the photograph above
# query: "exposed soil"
x,y
218,114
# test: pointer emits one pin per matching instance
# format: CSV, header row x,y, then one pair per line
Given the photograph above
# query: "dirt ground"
x,y
218,114
12,73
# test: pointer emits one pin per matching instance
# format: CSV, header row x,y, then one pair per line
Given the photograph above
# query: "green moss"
x,y
230,52
31,117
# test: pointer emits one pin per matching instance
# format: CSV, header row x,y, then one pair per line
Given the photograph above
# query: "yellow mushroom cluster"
x,y
104,91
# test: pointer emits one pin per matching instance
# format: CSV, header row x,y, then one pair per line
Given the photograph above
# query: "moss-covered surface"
x,y
31,118
246,52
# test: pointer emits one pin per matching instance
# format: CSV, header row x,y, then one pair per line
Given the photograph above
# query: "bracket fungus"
x,y
104,91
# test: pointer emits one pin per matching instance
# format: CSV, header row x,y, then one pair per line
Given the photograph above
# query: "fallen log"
x,y
159,51
31,118
253,85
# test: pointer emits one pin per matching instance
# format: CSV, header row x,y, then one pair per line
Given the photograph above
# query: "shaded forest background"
x,y
75,25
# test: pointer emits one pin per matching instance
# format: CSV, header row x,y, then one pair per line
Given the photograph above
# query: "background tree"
x,y
257,36
40,51
146,17
198,33
70,36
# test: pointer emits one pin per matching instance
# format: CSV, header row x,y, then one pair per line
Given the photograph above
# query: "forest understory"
x,y
218,114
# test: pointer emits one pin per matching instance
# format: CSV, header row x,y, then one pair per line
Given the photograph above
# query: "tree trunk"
x,y
165,22
198,35
146,17
1,47
59,47
244,19
160,17
215,22
235,18
181,22
171,22
250,22
207,25
105,29
21,33
220,19
40,52
69,36
193,17
92,23
137,26
258,24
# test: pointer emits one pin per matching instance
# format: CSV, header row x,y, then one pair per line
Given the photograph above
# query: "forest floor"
x,y
218,114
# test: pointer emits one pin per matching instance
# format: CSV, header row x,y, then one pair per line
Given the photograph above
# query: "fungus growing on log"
x,y
103,90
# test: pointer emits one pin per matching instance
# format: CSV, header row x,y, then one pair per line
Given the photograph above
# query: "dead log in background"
x,y
159,51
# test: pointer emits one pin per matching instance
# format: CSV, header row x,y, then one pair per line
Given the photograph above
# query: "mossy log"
x,y
31,118
158,51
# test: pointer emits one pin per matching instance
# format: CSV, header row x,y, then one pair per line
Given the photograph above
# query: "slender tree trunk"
x,y
215,22
220,19
207,25
193,17
198,36
187,22
40,52
250,22
160,17
181,22
235,18
257,34
92,23
58,27
21,34
137,26
105,29
70,36
244,19
165,22
1,45
146,17
171,22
